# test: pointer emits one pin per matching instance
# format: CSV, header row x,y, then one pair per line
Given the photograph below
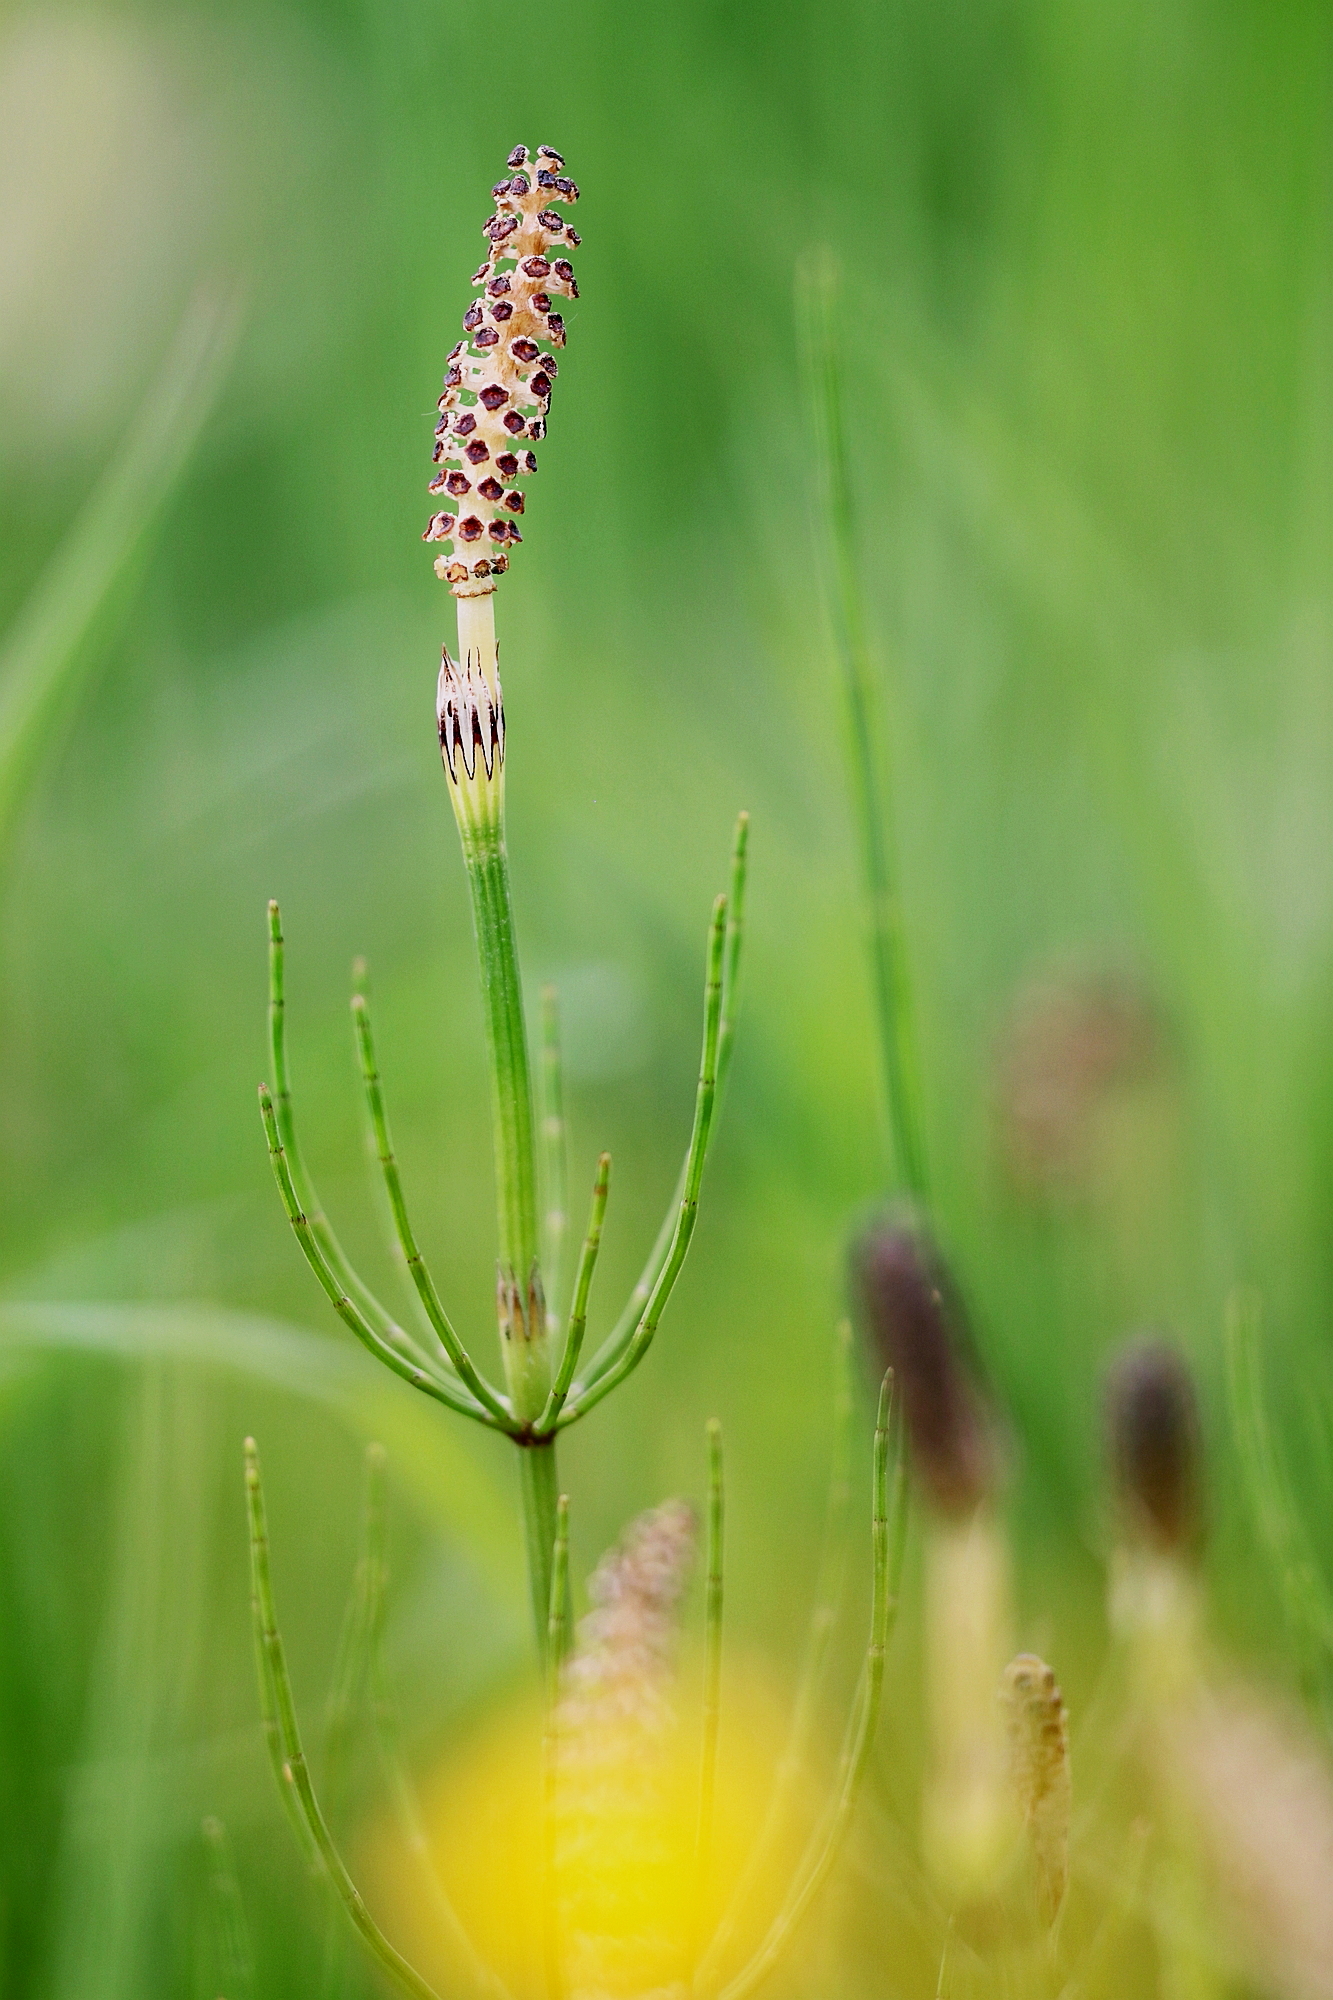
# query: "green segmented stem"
x,y
619,1359
540,1491
712,1701
888,1536
557,1640
235,1957
416,1263
479,810
814,1663
868,758
294,1776
578,1315
345,1307
555,1154
507,1045
308,1201
622,1332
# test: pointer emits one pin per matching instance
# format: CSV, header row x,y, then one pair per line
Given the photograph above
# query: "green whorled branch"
x,y
578,1313
283,1737
321,1233
457,1354
623,1331
620,1357
888,1541
537,1406
431,1382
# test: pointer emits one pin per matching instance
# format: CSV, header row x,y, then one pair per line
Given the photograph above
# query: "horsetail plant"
x,y
494,407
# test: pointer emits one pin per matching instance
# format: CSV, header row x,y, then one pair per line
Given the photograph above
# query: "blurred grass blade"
x,y
149,1664
231,1935
451,1487
352,1663
47,654
817,291
1306,1595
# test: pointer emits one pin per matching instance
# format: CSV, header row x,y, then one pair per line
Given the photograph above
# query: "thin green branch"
x,y
230,1930
868,758
829,1581
469,1374
330,1249
554,1151
616,1366
888,1533
617,1340
578,1316
347,1311
557,1642
276,1696
731,963
270,1720
712,1701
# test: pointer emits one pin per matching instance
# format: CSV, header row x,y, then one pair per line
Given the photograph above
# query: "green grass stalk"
x,y
867,752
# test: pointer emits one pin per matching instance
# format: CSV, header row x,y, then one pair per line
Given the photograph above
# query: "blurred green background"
x,y
1087,327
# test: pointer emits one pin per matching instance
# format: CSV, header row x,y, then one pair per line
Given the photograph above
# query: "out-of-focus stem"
x,y
968,1824
868,761
712,1705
